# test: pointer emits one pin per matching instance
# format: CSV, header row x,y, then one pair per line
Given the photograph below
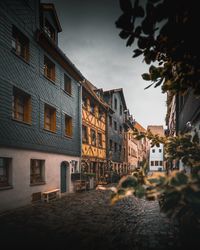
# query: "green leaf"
x,y
129,182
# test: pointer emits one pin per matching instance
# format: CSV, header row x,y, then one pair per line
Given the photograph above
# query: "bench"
x,y
50,194
80,185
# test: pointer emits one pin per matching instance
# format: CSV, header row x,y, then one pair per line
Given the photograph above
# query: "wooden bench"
x,y
50,194
80,185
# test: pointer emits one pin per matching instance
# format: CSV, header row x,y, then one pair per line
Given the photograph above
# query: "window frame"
x,y
49,30
5,173
99,140
21,106
86,134
68,130
41,175
20,44
52,118
49,69
67,85
93,139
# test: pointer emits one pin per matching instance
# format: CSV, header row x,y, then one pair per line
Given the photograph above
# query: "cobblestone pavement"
x,y
86,220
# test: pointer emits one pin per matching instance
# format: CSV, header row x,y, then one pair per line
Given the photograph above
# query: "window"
x,y
129,150
115,125
49,30
120,109
93,137
152,163
21,106
120,148
156,163
115,147
49,69
49,118
153,150
84,134
110,121
92,107
99,139
115,103
160,150
111,144
37,172
67,84
161,163
5,171
84,101
120,129
68,125
101,114
20,44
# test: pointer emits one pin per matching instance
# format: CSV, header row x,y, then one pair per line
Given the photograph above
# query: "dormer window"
x,y
49,30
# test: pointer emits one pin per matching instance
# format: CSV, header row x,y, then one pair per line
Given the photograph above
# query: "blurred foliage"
x,y
163,31
178,192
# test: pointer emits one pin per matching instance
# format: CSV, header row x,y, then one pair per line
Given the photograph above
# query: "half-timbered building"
x,y
94,129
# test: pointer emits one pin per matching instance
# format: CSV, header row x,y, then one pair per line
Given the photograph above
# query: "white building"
x,y
156,156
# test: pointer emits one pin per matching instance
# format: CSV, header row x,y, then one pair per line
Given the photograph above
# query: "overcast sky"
x,y
91,41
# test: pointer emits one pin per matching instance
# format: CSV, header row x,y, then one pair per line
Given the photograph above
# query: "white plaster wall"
x,y
21,193
157,156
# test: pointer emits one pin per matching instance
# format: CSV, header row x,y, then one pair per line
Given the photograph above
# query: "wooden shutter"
x,y
27,110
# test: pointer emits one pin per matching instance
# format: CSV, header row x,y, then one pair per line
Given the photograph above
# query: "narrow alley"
x,y
86,220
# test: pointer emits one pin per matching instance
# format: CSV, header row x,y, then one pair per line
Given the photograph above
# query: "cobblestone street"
x,y
86,220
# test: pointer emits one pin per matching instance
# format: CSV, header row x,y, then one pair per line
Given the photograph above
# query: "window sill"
x,y
67,93
23,122
38,183
49,79
68,137
20,57
6,188
51,131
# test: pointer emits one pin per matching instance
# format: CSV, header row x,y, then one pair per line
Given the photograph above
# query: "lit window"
x,y
49,69
67,84
68,126
37,171
5,171
49,118
20,44
21,106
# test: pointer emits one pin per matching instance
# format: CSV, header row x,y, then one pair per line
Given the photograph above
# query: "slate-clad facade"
x,y
115,130
40,104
